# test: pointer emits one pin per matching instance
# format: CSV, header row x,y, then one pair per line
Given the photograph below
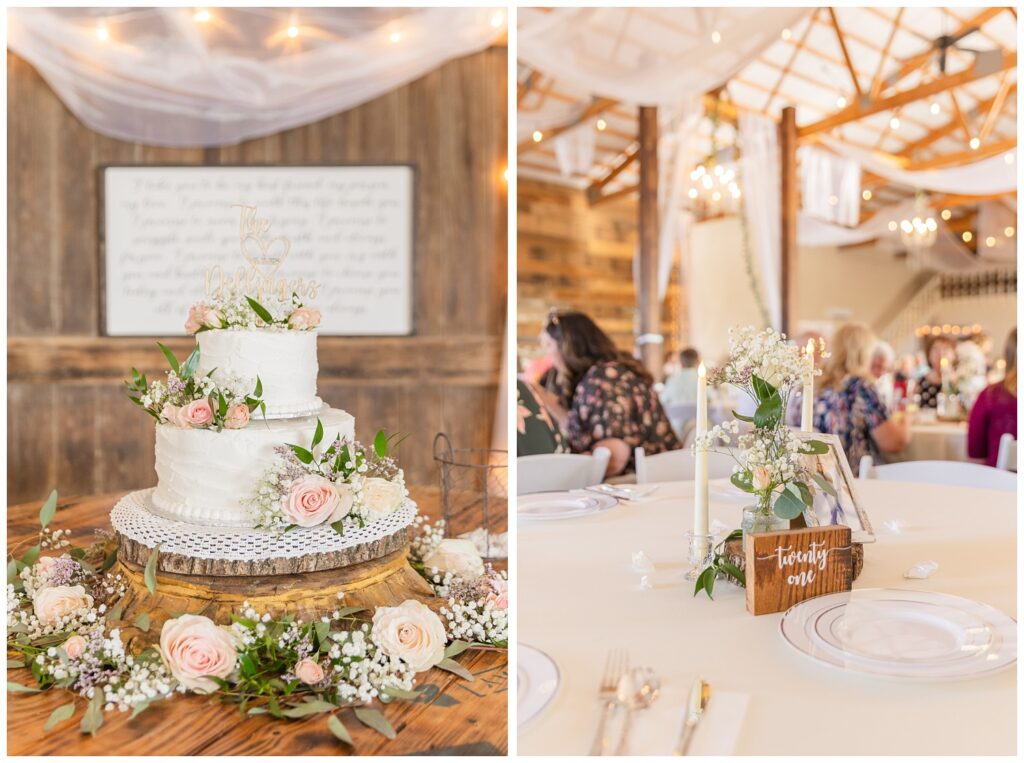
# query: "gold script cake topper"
x,y
264,254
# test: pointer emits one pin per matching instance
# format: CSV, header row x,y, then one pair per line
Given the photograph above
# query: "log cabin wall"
x,y
572,255
70,425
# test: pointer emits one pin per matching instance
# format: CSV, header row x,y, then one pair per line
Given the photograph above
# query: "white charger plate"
x,y
562,504
909,635
538,680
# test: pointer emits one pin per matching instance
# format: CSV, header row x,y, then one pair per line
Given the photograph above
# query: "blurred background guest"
x,y
883,365
606,397
995,411
681,387
930,385
536,432
848,404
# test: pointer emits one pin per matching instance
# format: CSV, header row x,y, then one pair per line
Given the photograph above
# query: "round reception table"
x,y
935,441
580,596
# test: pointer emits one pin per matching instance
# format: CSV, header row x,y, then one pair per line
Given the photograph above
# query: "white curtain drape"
x,y
584,48
997,174
761,181
574,149
830,186
163,77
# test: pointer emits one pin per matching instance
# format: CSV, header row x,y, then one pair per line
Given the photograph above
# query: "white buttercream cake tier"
x,y
208,477
284,360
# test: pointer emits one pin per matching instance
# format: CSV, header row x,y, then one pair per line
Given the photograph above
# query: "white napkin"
x,y
656,730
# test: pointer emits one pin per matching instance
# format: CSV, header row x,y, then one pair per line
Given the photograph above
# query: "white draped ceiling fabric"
x,y
165,76
762,180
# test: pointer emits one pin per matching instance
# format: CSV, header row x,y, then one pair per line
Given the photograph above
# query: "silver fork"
x,y
615,667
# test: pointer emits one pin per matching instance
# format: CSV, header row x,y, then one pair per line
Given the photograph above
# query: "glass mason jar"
x,y
761,518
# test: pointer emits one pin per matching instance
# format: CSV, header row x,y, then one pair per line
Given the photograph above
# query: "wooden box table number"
x,y
783,568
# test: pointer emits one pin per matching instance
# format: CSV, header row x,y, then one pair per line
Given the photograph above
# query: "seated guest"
x,y
681,387
883,363
995,411
848,404
607,398
536,433
931,383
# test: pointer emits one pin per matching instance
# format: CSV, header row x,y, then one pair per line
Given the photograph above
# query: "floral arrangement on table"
x,y
239,311
769,466
344,484
64,624
971,375
190,400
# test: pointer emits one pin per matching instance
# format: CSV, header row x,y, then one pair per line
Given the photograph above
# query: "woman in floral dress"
x,y
849,406
607,398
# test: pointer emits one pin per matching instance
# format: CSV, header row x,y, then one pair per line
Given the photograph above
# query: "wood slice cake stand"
x,y
368,574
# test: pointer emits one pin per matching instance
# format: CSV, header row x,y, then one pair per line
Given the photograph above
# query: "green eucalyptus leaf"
x,y
93,718
339,527
814,447
375,720
380,444
150,574
318,435
732,570
16,688
173,361
309,707
258,392
12,571
788,505
302,454
805,493
114,613
109,561
741,417
261,311
12,664
824,484
453,667
142,622
31,556
139,708
768,412
456,648
743,481
762,389
49,509
338,729
59,715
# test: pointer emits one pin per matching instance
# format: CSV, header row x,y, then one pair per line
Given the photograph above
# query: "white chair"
x,y
680,416
956,473
560,471
1007,457
678,465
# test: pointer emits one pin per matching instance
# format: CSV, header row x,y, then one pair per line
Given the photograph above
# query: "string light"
x,y
201,15
102,32
293,31
946,214
395,37
601,124
893,226
841,102
833,200
538,136
866,194
786,34
497,19
974,144
894,123
990,241
1008,157
967,236
716,37
1008,231
935,108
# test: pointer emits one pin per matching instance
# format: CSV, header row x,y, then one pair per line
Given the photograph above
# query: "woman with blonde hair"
x,y
848,404
995,411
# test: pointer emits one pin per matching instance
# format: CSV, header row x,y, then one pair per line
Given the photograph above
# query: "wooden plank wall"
x,y
69,424
575,256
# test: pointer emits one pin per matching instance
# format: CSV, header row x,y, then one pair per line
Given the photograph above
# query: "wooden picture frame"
x,y
846,508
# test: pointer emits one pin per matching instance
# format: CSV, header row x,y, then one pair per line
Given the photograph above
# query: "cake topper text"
x,y
264,256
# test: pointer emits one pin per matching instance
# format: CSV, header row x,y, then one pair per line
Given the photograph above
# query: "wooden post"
x,y
789,196
648,304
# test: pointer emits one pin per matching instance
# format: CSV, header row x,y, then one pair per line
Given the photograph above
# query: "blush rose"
x,y
238,416
311,500
309,672
54,604
197,414
411,632
195,649
74,647
304,318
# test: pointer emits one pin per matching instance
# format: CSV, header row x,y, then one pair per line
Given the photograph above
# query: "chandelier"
x,y
919,233
714,187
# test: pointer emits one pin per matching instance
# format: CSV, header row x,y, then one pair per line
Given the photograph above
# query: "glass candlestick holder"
x,y
700,550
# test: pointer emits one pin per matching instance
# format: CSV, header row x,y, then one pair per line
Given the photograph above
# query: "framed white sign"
x,y
350,229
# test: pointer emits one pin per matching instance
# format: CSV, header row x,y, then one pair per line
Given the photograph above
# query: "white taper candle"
x,y
700,490
807,409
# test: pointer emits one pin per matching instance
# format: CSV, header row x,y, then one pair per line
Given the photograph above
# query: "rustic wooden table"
x,y
457,718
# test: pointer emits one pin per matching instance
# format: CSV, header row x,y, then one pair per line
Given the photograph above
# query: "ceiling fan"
x,y
944,42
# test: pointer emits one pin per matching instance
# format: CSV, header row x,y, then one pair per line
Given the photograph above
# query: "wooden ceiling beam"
x,y
876,81
920,60
792,57
997,106
596,106
947,129
594,189
957,199
966,157
845,52
860,110
959,115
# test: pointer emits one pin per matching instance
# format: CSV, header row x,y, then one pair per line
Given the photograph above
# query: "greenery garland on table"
x,y
64,624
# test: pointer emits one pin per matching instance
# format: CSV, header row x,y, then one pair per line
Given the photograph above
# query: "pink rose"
x,y
195,319
45,564
238,416
499,597
211,318
760,478
74,647
194,648
309,672
172,415
411,632
311,501
304,318
51,605
198,413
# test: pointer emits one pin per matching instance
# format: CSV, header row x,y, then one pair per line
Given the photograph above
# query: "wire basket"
x,y
474,495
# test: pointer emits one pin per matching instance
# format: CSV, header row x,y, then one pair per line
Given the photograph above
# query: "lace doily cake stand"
x,y
212,571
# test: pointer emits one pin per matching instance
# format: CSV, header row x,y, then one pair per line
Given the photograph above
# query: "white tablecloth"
x,y
939,441
578,596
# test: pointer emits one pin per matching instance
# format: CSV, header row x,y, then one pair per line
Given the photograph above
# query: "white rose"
x,y
457,556
345,500
53,604
194,647
382,497
411,632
